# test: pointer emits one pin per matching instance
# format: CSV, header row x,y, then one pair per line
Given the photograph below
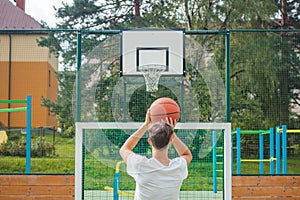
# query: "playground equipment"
x,y
261,159
27,101
116,184
280,159
216,162
280,149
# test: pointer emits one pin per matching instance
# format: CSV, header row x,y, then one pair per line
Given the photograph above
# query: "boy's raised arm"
x,y
132,141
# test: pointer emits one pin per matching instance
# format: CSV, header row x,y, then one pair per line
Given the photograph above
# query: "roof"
x,y
12,17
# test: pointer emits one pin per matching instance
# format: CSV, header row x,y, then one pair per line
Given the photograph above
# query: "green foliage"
x,y
202,93
62,107
18,148
259,88
69,132
51,42
245,112
105,88
138,110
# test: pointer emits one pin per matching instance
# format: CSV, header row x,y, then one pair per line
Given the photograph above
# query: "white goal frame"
x,y
130,125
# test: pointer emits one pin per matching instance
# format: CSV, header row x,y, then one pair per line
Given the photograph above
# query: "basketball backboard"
x,y
146,47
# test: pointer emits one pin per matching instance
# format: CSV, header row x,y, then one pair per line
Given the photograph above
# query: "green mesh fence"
x,y
264,94
264,79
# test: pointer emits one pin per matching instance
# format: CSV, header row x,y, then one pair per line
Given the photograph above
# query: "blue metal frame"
x,y
261,153
277,150
284,150
214,145
238,151
279,145
272,150
28,133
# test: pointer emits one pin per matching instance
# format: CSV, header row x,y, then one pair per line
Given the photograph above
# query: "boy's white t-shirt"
x,y
155,180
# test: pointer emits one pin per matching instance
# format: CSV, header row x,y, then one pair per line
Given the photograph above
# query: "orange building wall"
x,y
30,66
30,79
52,94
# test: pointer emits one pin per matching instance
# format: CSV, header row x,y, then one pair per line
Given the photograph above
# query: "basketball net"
x,y
152,74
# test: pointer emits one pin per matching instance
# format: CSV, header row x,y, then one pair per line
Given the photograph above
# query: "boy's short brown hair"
x,y
160,134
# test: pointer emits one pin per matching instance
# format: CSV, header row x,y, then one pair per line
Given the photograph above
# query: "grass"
x,y
98,175
11,164
62,162
293,166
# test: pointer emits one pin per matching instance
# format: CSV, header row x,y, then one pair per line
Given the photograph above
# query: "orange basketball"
x,y
164,107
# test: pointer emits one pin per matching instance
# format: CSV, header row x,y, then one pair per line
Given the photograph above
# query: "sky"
x,y
43,9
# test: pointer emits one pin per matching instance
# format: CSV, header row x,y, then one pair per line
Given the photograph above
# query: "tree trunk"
x,y
137,13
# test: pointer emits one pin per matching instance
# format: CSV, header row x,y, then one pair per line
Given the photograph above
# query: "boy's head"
x,y
160,134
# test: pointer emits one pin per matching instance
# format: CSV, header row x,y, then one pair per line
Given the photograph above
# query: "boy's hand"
x,y
171,122
147,118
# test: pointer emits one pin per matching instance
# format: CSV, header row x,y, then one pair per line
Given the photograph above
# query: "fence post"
x,y
238,150
284,150
28,133
115,189
227,79
261,153
214,143
277,150
272,150
78,78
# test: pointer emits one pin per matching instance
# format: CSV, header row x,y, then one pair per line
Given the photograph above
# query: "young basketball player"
x,y
157,177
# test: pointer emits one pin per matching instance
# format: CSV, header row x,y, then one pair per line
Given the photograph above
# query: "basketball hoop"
x,y
152,74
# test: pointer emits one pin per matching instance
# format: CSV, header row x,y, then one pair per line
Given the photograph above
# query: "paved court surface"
x,y
184,195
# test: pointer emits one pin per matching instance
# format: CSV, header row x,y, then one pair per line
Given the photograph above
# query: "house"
x,y
25,67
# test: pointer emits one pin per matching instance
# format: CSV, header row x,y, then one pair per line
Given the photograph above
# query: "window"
x,y
49,78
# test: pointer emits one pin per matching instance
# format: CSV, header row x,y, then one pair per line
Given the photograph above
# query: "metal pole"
x,y
9,79
78,102
277,150
271,150
227,54
115,190
238,151
261,153
124,100
182,100
78,78
214,143
284,150
28,133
